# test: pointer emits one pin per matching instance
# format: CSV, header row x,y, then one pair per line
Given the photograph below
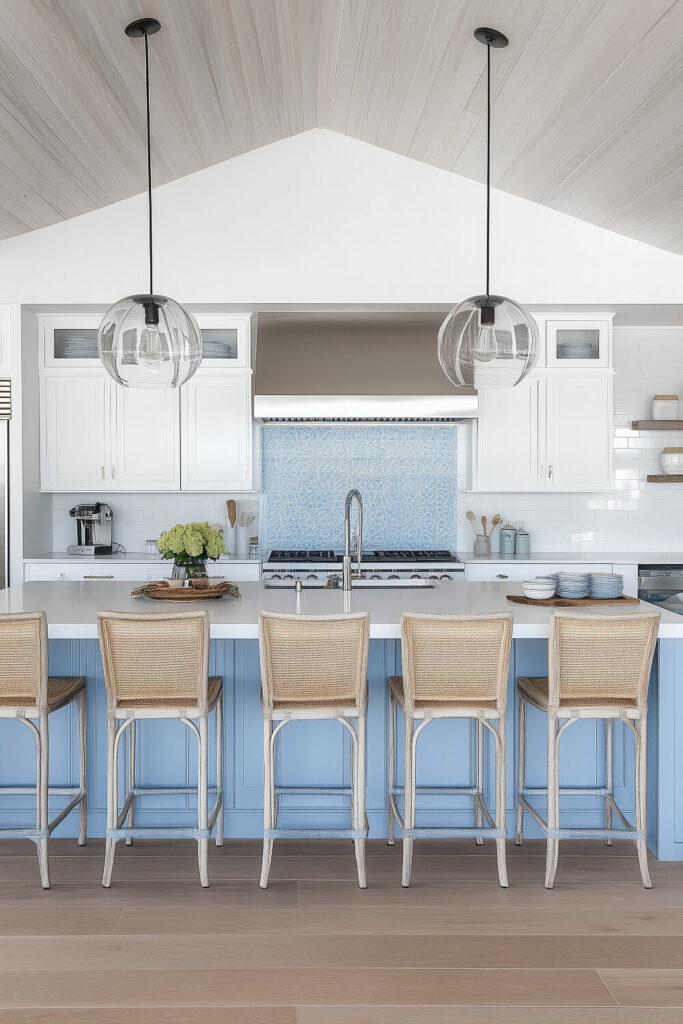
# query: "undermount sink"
x,y
365,584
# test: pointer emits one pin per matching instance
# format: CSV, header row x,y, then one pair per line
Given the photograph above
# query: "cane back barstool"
x,y
314,667
157,666
454,666
598,667
30,695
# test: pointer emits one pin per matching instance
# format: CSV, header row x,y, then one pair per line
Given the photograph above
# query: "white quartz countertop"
x,y
614,557
133,557
72,607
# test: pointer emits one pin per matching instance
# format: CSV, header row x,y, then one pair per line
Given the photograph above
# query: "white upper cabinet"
x,y
507,437
74,415
226,342
146,432
577,342
578,413
217,432
69,341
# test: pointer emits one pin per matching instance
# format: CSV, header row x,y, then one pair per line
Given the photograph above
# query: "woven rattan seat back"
x,y
23,658
455,657
601,657
313,658
153,657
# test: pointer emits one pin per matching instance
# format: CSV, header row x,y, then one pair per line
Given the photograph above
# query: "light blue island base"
x,y
318,753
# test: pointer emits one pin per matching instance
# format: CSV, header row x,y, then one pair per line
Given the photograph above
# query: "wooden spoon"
x,y
232,512
483,525
496,521
470,518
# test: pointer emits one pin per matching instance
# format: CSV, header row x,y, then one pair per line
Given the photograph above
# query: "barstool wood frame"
x,y
548,696
194,711
488,715
37,699
314,698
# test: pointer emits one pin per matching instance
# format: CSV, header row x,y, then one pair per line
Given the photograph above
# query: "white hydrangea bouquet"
x,y
189,545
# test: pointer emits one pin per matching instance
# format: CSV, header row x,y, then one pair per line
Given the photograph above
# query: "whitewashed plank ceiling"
x,y
588,97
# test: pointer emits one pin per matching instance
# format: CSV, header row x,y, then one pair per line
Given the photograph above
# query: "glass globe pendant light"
x,y
148,340
488,341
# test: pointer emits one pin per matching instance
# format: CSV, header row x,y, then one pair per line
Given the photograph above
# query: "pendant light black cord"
x,y
488,160
149,171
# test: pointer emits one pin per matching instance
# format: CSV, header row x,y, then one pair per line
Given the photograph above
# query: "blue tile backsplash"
x,y
406,474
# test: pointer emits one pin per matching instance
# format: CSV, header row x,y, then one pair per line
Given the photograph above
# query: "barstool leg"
x,y
521,767
552,843
82,768
479,756
408,800
609,772
112,800
641,796
392,768
268,788
203,800
500,802
131,775
43,801
219,767
359,800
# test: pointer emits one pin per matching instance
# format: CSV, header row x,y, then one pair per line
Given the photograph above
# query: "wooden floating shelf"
x,y
664,478
657,425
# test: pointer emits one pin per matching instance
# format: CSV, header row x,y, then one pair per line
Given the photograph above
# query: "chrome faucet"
x,y
347,575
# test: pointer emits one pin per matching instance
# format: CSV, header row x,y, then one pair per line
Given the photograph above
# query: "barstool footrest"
x,y
456,832
314,790
628,832
35,834
160,832
315,833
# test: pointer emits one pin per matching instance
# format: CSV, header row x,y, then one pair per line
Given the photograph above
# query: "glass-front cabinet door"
x,y
225,342
578,343
69,340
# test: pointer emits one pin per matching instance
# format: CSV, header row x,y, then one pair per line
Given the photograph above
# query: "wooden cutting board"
x,y
571,602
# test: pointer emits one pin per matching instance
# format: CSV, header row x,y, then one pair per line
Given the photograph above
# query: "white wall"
x,y
139,517
323,218
636,515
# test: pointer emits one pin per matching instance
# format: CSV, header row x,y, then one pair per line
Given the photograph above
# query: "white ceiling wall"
x,y
321,218
586,117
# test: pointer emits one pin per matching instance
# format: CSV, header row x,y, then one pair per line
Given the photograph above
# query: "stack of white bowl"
x,y
606,584
539,589
573,584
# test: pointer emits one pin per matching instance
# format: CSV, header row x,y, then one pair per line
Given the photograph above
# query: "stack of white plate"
x,y
573,584
606,584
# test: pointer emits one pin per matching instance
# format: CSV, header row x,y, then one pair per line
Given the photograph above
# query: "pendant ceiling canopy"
x,y
149,340
488,341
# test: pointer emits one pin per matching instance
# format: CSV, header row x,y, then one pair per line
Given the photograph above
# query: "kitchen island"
x,y
318,751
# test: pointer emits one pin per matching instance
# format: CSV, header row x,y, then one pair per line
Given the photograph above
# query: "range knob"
x,y
288,577
394,576
446,577
375,577
433,577
276,576
312,576
416,576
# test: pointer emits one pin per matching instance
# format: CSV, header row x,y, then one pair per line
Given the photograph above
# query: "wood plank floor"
x,y
314,949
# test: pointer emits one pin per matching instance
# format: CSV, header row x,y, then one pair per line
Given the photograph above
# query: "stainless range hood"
x,y
325,367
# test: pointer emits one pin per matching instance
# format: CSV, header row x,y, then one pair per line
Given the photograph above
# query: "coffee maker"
x,y
93,529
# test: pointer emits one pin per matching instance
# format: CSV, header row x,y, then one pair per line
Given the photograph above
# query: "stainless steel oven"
x,y
662,585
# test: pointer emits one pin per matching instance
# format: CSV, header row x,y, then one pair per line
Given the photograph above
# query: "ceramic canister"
x,y
507,539
522,542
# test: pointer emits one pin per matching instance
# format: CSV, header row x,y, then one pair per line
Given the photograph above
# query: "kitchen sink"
x,y
400,584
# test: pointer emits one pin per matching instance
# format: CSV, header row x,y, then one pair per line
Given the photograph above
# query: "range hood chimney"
x,y
325,367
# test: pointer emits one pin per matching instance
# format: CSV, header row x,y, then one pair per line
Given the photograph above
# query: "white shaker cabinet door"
x,y
508,454
579,432
74,411
147,432
217,433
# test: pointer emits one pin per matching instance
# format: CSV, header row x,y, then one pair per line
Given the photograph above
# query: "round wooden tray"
x,y
162,592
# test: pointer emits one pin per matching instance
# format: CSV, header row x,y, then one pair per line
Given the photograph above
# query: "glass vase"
x,y
184,567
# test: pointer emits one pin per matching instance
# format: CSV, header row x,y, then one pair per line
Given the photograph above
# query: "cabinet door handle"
x,y
550,472
102,472
113,472
244,472
501,576
542,472
98,577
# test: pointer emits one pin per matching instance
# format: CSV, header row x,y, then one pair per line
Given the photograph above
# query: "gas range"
x,y
316,566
